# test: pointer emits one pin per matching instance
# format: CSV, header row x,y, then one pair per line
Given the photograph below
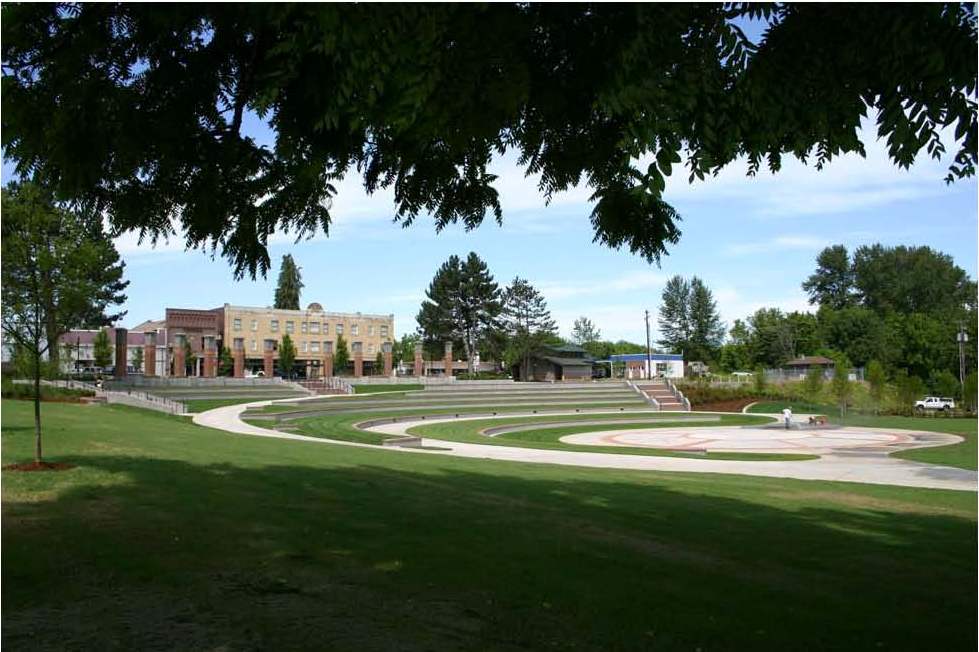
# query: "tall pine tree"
x,y
289,286
706,327
674,315
526,321
461,303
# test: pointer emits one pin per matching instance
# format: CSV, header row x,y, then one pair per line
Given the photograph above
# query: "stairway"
x,y
663,395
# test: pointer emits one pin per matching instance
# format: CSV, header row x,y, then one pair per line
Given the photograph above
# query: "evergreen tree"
x,y
289,286
287,356
462,302
832,283
584,332
226,362
102,349
814,384
526,322
379,363
138,359
877,380
190,358
674,315
706,327
341,356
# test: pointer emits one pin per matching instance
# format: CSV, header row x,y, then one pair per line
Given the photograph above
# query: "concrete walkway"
x,y
869,467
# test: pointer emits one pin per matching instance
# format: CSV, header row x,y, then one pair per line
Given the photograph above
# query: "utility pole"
x,y
962,338
649,352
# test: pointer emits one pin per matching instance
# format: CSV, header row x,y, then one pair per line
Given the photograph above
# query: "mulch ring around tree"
x,y
39,466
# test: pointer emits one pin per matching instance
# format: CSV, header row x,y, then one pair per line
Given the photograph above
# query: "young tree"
x,y
970,393
526,321
226,362
813,384
841,386
910,388
877,379
138,359
831,285
400,125
102,349
404,349
341,356
289,286
461,303
706,327
287,355
674,315
379,364
760,382
584,332
190,357
943,383
49,282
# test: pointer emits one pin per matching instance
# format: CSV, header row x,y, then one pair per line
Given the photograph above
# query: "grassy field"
x,y
962,455
380,389
549,438
171,536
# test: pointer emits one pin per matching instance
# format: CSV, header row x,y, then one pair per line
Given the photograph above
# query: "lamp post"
x,y
962,337
649,352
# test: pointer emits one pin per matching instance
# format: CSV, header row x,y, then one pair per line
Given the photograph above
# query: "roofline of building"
x,y
304,312
625,357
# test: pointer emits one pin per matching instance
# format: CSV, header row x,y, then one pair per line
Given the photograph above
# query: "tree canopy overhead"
x,y
138,108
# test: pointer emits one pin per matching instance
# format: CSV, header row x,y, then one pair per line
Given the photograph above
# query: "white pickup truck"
x,y
934,403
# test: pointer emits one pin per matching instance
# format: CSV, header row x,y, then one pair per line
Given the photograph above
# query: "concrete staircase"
x,y
664,396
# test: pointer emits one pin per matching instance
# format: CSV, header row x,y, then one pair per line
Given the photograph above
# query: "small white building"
x,y
664,365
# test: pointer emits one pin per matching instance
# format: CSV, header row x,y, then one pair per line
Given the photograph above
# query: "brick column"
x,y
149,355
269,358
388,358
327,359
419,363
239,357
210,356
179,360
122,353
448,359
358,359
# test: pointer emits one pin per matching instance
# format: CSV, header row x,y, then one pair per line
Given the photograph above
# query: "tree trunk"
x,y
467,345
37,408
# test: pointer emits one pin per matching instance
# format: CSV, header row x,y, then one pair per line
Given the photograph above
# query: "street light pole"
x,y
649,352
962,338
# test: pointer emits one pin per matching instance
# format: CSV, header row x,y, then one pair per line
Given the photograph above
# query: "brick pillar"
x,y
122,353
269,358
179,360
327,359
419,363
149,355
239,357
210,356
388,358
358,359
448,359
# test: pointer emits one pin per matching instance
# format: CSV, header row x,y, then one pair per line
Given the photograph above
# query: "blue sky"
x,y
752,240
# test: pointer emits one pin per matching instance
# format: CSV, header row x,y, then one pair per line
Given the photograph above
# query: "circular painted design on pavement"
x,y
740,439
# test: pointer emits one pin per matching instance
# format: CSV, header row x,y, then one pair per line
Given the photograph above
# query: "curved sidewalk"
x,y
867,468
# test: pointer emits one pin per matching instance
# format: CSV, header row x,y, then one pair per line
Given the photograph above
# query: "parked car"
x,y
257,374
934,403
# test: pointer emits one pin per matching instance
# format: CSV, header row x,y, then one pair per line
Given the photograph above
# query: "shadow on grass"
x,y
162,554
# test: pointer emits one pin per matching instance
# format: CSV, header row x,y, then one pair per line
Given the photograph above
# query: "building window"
x,y
355,329
384,331
370,330
303,328
314,327
305,347
290,327
370,348
339,329
254,325
316,347
275,325
237,323
254,345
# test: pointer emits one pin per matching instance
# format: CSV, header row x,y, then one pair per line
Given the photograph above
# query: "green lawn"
x,y
378,389
171,536
205,404
962,455
549,438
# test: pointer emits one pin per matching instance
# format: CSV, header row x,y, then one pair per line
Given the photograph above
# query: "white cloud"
x,y
777,245
633,281
732,304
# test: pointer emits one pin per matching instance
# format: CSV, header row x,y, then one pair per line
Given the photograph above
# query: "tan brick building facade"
x,y
313,331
